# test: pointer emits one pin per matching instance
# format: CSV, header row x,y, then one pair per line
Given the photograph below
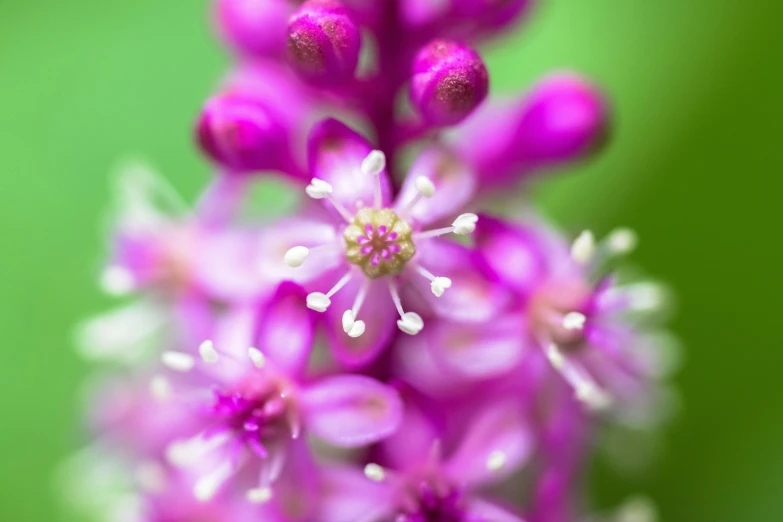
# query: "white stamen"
x,y
257,357
465,224
117,280
643,296
296,256
207,486
574,321
411,323
208,353
496,460
425,187
374,472
318,189
259,495
178,361
439,285
183,453
433,233
585,389
583,247
637,509
341,283
359,301
621,241
160,388
318,302
374,163
351,326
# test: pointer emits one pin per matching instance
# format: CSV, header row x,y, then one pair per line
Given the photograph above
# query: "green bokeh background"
x,y
695,167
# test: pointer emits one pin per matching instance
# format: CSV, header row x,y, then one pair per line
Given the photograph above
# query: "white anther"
x,y
117,280
178,361
411,323
374,163
496,460
318,302
208,353
574,321
318,189
439,285
583,247
259,495
644,296
374,472
160,388
257,357
637,509
296,256
425,187
351,326
465,224
621,241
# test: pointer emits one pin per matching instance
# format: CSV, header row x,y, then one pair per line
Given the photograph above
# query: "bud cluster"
x,y
393,349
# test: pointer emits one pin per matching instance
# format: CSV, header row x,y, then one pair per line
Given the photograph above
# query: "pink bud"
x,y
449,81
323,42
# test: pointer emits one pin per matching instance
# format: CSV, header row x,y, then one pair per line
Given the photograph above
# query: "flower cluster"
x,y
391,351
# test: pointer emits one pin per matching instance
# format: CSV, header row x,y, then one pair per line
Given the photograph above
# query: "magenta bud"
x,y
253,27
449,82
323,42
242,134
563,119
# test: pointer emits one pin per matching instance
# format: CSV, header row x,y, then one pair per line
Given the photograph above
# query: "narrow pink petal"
x,y
285,329
276,239
498,429
412,443
483,511
378,314
348,496
455,186
351,410
335,153
479,351
227,265
515,254
474,296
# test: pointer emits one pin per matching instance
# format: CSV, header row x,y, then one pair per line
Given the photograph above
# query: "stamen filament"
x,y
396,298
341,283
584,386
433,233
340,208
357,304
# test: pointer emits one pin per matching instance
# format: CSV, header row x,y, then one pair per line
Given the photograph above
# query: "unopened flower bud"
x,y
253,27
241,133
563,119
323,42
449,81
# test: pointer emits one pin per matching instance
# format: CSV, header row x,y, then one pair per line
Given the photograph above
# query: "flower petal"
x,y
348,496
335,154
351,410
455,186
482,510
285,329
475,295
515,254
283,235
479,351
379,316
496,443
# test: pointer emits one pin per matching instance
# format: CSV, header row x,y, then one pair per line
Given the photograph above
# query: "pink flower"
x,y
254,400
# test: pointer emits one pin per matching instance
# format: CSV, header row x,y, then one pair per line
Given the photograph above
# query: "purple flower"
x,y
255,400
371,248
419,485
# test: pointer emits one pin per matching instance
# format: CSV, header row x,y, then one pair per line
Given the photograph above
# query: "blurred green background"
x,y
695,167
